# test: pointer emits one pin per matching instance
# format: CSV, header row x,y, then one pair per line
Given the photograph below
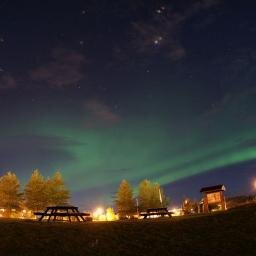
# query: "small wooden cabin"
x,y
213,198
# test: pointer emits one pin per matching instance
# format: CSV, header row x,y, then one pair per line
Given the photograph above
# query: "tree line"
x,y
150,195
38,193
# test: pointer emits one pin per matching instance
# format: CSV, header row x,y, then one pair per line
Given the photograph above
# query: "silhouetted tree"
x,y
9,192
57,193
40,193
144,196
124,200
35,192
151,195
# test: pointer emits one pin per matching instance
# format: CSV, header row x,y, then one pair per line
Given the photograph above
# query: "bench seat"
x,y
156,212
38,213
63,214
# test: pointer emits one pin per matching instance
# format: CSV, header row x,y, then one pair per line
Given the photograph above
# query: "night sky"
x,y
112,90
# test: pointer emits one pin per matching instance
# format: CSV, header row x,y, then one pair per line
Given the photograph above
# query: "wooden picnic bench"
x,y
156,212
56,213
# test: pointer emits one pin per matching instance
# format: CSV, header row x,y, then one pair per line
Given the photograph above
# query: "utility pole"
x,y
137,206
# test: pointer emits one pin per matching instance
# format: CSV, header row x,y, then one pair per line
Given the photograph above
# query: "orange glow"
x,y
104,215
254,184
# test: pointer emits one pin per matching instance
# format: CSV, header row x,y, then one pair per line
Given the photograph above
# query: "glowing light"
x,y
176,211
254,184
99,211
110,215
104,215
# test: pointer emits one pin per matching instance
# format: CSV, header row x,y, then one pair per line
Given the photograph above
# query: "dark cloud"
x,y
64,70
162,30
238,103
100,113
150,37
33,151
7,82
234,114
28,140
237,66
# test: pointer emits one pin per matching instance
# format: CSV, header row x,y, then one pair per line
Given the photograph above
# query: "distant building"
x,y
213,198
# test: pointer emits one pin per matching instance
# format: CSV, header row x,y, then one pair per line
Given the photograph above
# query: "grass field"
x,y
229,233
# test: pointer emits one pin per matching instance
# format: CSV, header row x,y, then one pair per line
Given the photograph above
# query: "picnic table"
x,y
56,213
156,212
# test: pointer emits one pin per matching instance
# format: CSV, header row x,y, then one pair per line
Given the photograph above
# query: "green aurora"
x,y
135,149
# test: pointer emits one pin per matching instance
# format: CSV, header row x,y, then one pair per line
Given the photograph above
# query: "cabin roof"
x,y
219,187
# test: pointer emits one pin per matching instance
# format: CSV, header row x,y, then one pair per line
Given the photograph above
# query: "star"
x,y
160,10
157,40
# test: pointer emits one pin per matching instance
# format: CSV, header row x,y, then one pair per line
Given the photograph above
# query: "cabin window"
x,y
213,197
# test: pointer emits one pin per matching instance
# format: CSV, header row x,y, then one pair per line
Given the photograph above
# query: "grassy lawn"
x,y
230,233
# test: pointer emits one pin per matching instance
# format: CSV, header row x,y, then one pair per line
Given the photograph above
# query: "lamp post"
x,y
160,197
137,206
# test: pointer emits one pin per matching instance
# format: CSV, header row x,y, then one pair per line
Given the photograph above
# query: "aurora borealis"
x,y
96,96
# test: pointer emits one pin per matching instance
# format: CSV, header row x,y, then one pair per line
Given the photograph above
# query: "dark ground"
x,y
230,233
